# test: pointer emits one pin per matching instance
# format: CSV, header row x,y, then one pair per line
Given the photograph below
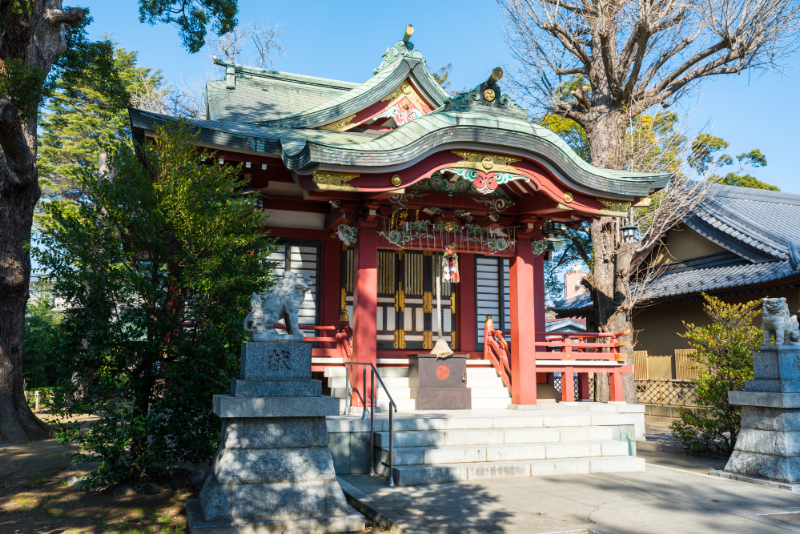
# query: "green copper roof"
x,y
292,101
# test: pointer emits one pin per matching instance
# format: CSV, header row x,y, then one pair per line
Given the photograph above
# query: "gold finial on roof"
x,y
497,74
409,31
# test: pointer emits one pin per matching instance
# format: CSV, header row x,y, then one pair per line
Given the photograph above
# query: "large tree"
x,y
633,56
42,40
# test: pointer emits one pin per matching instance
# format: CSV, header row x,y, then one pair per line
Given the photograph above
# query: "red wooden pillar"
x,y
466,305
583,386
615,386
527,292
365,305
567,386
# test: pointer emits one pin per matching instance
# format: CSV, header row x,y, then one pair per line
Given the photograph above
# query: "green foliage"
x,y
653,143
191,17
156,267
441,75
77,121
571,132
578,249
745,180
704,158
724,357
38,367
24,84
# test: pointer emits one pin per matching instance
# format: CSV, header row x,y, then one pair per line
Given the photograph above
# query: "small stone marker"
x,y
273,471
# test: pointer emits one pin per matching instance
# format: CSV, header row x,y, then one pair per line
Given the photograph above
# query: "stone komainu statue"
x,y
283,301
775,318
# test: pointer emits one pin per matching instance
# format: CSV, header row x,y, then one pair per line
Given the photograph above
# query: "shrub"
x,y
156,266
724,354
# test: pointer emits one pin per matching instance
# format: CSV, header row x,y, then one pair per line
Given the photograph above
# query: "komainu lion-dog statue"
x,y
282,301
775,318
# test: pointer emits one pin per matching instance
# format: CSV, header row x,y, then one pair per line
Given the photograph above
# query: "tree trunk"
x,y
605,130
611,294
37,39
18,424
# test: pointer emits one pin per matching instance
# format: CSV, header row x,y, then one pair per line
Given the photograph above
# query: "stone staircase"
x,y
498,447
488,390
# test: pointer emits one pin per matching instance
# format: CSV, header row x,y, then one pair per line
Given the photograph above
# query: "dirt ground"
x,y
35,499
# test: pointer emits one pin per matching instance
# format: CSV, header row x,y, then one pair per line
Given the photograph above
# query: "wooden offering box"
x,y
439,384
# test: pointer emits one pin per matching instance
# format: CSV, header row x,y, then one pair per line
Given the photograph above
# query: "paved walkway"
x,y
658,501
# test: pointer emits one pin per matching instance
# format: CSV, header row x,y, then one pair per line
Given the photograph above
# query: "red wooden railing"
x,y
564,353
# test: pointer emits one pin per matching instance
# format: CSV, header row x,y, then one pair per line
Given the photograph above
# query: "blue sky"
x,y
345,39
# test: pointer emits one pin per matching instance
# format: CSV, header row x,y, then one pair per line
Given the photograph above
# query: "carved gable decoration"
x,y
487,96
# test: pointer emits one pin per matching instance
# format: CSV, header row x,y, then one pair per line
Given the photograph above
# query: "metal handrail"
x,y
374,374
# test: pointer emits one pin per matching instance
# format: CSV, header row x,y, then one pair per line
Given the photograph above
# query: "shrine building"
x,y
365,185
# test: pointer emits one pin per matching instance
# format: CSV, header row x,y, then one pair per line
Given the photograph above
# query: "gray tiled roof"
x,y
761,229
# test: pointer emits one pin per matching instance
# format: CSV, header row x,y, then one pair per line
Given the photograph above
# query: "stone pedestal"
x,y
768,446
273,471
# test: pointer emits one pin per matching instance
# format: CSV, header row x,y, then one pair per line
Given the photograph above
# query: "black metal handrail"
x,y
373,375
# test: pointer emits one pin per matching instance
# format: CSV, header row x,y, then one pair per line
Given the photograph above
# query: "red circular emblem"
x,y
480,182
491,184
442,372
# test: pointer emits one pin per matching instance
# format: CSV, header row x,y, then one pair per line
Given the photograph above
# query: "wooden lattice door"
x,y
406,317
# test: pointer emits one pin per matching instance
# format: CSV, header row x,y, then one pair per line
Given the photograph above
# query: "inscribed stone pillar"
x,y
273,471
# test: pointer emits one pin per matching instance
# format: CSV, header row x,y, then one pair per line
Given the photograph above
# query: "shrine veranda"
x,y
365,187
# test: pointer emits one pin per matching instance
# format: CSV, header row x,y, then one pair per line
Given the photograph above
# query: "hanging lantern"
x,y
630,233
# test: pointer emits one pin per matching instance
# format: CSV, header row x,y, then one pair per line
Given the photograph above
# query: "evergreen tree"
x,y
76,121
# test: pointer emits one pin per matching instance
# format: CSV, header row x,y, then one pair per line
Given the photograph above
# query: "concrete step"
x,y
333,371
493,436
485,382
392,382
403,405
392,371
496,453
481,371
410,475
490,392
489,403
395,392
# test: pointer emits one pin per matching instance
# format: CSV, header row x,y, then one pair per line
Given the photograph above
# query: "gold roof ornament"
x,y
614,208
485,162
334,181
340,125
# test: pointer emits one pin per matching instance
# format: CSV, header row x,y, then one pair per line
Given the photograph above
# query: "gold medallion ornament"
x,y
489,95
568,197
406,88
396,180
484,162
334,181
